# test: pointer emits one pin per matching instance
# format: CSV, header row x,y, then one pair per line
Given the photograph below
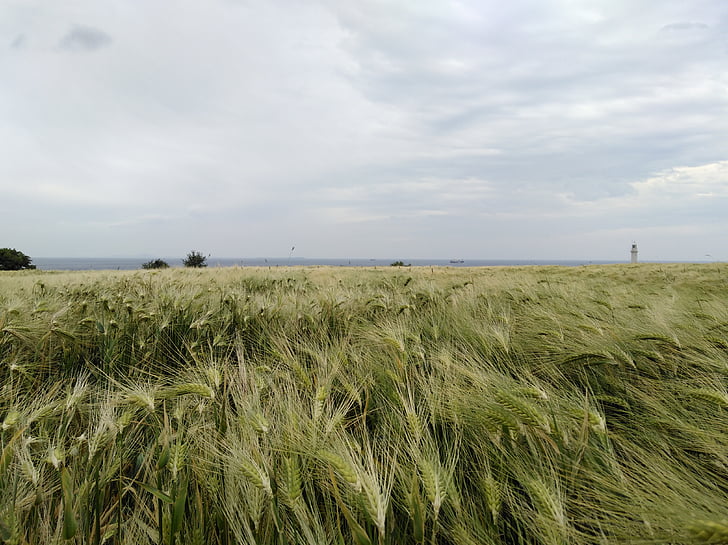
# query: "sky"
x,y
483,129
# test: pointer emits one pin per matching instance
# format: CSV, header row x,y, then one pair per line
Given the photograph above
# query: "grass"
x,y
536,405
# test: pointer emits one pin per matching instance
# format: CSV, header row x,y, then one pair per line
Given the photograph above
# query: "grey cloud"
x,y
591,102
463,128
84,38
18,42
684,26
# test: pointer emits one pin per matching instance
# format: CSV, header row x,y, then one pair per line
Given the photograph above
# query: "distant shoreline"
x,y
109,263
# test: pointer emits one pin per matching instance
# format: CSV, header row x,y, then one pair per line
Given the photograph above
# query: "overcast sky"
x,y
529,129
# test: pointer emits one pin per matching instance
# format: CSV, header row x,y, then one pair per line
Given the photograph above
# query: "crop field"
x,y
532,405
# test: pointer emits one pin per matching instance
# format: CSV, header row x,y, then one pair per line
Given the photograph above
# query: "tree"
x,y
195,259
13,260
155,264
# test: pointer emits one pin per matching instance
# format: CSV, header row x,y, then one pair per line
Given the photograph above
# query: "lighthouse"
x,y
634,253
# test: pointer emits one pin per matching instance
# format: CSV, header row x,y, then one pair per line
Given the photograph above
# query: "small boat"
x,y
457,261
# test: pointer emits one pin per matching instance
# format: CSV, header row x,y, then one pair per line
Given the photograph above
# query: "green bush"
x,y
13,260
155,264
195,259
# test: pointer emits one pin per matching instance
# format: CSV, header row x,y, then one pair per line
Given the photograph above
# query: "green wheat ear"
x,y
344,468
193,388
496,418
710,532
256,475
711,396
435,481
493,496
522,410
291,486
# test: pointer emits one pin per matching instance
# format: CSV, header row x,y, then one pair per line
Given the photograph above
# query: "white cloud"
x,y
672,189
679,183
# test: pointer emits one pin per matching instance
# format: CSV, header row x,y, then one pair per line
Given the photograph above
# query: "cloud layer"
x,y
82,38
549,129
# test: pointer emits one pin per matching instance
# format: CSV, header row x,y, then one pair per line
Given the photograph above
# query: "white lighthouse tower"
x,y
634,253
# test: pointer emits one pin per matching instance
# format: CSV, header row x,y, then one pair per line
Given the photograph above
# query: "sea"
x,y
132,263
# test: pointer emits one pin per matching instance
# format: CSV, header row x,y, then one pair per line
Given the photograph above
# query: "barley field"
x,y
533,405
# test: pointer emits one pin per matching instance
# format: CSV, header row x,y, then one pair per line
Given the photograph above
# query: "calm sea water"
x,y
112,263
